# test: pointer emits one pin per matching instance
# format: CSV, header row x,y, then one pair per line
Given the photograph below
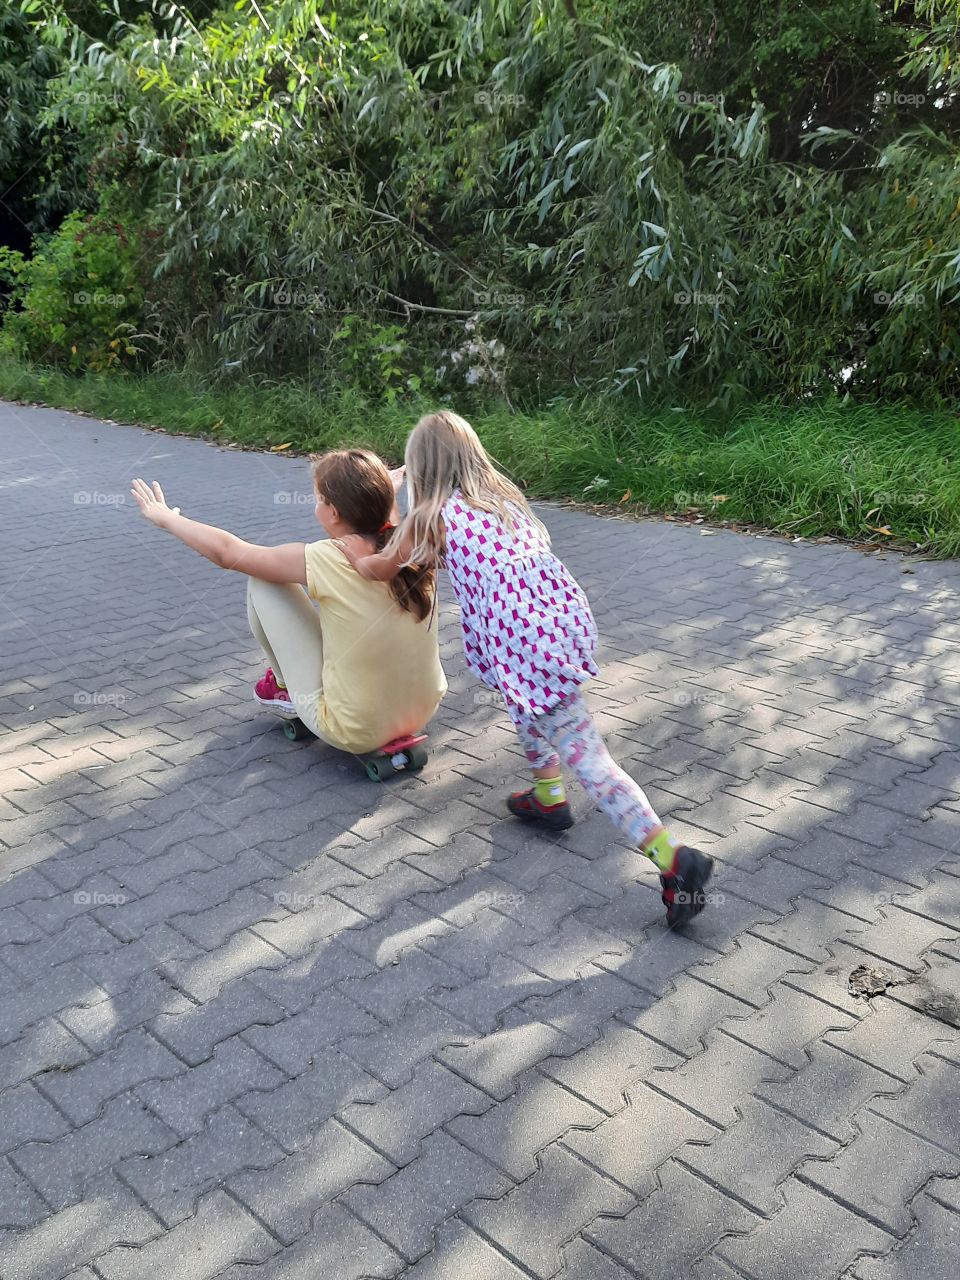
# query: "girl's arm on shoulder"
x,y
286,563
383,566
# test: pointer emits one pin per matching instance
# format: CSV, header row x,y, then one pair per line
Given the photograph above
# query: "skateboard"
x,y
401,754
406,753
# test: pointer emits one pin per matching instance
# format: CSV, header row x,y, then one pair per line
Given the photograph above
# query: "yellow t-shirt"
x,y
381,666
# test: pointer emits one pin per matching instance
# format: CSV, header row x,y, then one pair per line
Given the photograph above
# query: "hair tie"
x,y
385,526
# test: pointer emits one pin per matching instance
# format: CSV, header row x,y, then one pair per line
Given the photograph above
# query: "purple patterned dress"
x,y
527,626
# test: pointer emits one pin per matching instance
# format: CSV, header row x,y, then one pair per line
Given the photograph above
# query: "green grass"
x,y
828,469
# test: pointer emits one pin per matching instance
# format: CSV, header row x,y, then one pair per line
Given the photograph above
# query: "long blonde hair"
x,y
444,453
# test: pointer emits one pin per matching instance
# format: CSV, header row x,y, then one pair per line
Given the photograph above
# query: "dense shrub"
x,y
535,197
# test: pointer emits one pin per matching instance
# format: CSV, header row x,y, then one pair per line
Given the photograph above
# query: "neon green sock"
x,y
550,790
661,849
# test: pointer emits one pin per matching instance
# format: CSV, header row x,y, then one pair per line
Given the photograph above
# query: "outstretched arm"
x,y
285,563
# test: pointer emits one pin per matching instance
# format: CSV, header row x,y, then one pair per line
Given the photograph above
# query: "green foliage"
x,y
372,356
75,300
724,202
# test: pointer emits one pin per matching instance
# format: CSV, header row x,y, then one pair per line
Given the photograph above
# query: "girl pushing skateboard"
x,y
528,632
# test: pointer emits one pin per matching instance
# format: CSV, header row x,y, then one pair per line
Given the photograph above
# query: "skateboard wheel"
x,y
295,730
379,769
416,758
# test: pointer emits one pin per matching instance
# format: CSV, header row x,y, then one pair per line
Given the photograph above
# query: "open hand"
x,y
354,546
152,503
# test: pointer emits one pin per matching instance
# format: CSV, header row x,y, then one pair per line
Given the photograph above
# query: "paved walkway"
x,y
262,1019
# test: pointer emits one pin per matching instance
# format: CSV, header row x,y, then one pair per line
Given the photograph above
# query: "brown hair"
x,y
358,484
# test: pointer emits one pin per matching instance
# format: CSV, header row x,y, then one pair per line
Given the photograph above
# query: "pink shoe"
x,y
269,694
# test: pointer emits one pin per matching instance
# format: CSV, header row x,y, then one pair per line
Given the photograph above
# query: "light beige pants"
x,y
287,627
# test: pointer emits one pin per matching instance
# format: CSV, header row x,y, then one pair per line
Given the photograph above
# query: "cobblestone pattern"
x,y
262,1019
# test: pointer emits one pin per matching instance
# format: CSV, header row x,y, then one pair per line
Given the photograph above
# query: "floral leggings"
x,y
567,734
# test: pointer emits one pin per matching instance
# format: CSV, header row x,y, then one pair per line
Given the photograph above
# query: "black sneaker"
x,y
525,806
683,888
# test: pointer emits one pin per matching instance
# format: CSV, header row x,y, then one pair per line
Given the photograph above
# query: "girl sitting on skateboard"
x,y
364,667
528,632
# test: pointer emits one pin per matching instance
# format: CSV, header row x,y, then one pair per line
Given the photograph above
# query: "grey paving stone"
x,y
396,1122
682,1015
407,1209
293,1111
472,946
791,1020
171,1181
459,1251
512,1134
482,1002
192,1030
24,1005
632,1144
810,928
81,1092
337,1245
811,1238
925,1108
671,1228
25,1115
34,959
116,971
416,973
495,1062
929,1253
46,1046
185,1099
61,1169
582,1261
880,1171
533,1220
827,1092
296,934
714,1082
67,1239
549,956
101,1026
601,1072
221,1232
20,1206
390,1053
755,1155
